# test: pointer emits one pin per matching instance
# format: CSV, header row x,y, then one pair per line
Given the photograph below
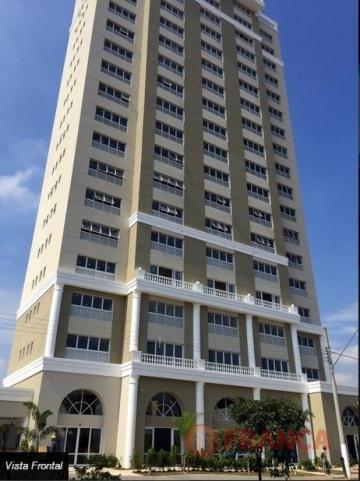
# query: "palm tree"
x,y
40,430
184,424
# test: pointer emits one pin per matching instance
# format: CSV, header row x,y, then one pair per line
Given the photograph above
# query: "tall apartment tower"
x,y
169,269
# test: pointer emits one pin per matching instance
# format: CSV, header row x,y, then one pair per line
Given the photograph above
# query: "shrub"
x,y
163,458
308,465
135,462
151,458
174,455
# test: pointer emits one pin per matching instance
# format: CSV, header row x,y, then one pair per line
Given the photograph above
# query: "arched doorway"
x,y
80,422
159,430
350,419
222,409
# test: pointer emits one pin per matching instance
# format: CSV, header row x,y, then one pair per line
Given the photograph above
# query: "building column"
x,y
323,346
196,332
308,436
250,340
296,350
257,393
200,418
135,321
131,421
53,320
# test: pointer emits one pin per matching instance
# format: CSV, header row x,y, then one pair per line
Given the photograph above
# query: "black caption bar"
x,y
37,466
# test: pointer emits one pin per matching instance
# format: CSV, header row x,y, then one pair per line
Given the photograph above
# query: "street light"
x,y
343,447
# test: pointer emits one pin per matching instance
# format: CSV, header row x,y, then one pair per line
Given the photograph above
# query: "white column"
x,y
200,418
296,350
250,340
309,436
257,393
129,445
135,321
53,320
196,331
323,346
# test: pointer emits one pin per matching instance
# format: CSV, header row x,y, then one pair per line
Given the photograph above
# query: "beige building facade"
x,y
169,269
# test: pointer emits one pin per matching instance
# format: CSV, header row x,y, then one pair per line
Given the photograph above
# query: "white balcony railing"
x,y
167,361
243,370
85,271
288,376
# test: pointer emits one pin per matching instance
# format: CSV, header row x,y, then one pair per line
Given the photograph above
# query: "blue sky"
x,y
318,39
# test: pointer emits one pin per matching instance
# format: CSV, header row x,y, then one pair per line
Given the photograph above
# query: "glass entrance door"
x,y
80,443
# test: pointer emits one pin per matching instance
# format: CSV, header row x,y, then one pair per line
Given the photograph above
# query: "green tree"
x,y
275,423
40,430
184,424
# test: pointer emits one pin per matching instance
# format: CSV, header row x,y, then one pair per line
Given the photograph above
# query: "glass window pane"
x,y
104,345
71,340
150,348
227,358
97,302
107,304
178,311
211,356
84,436
160,348
219,357
277,366
152,306
87,301
101,266
95,440
93,343
81,261
178,351
76,299
235,359
169,350
90,263
82,342
271,364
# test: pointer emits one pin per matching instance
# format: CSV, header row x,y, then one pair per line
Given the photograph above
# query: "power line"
x,y
345,355
346,346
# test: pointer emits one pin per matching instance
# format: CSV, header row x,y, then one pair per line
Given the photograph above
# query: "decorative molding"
x,y
321,386
36,295
24,373
268,21
148,219
16,395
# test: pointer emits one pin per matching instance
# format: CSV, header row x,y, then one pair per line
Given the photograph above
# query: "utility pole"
x,y
343,448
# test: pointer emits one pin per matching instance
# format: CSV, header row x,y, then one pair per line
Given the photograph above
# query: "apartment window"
x,y
255,169
304,313
213,87
166,314
245,53
101,234
171,45
252,126
166,272
210,16
169,132
311,373
214,129
275,113
248,88
266,271
249,71
213,107
122,12
169,85
216,257
111,118
221,286
113,94
169,157
220,229
171,65
285,191
271,80
115,71
169,212
305,341
243,9
89,343
168,184
210,32
211,50
262,242
282,170
211,67
260,217
243,21
120,30
297,285
222,320
164,349
167,244
269,64
105,172
258,192
217,201
108,144
245,38
117,50
89,266
266,35
265,297
169,108
171,9
291,236
172,27
268,49
280,150
273,96
215,152
102,201
271,334
288,213
278,131
277,365
215,175
214,3
245,104
224,357
93,307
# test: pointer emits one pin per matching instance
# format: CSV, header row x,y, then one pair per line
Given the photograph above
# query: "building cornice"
x,y
268,21
16,395
326,387
141,217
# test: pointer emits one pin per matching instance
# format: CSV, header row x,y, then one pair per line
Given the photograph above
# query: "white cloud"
x,y
9,301
348,314
345,379
15,191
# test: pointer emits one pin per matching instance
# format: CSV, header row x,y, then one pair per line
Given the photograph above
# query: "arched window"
x,y
163,404
350,417
222,409
81,402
